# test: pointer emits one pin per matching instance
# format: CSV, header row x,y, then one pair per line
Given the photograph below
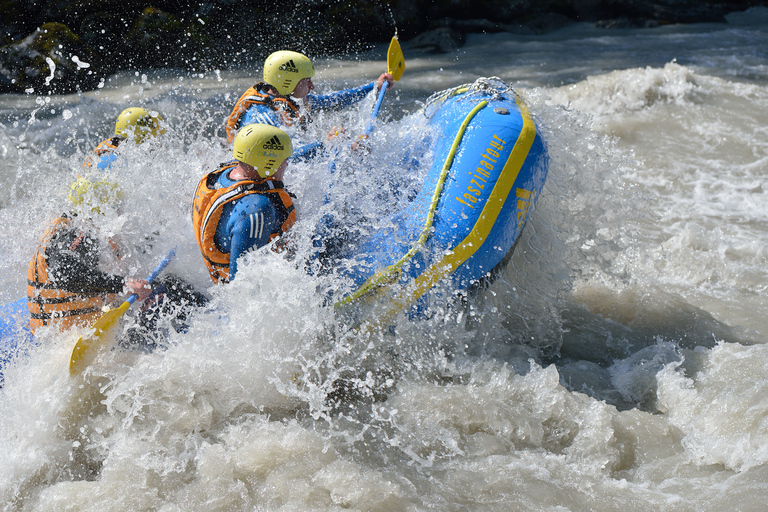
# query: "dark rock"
x,y
51,60
410,19
8,30
534,24
481,26
160,39
627,23
641,13
496,10
355,25
541,23
691,13
439,40
105,33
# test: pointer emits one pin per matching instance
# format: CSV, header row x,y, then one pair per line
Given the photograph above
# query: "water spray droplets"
x,y
51,65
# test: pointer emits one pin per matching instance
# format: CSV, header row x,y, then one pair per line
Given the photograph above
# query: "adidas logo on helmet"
x,y
290,67
274,143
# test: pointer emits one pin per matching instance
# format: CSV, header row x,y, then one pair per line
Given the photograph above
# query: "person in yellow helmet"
x,y
244,205
283,99
134,123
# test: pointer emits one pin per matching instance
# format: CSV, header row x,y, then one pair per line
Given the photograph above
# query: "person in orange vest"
x,y
244,205
67,287
134,123
283,99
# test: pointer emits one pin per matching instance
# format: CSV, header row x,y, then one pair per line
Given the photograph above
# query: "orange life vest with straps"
x,y
104,147
207,209
257,95
49,305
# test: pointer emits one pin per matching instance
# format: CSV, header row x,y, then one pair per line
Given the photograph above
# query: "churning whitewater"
x,y
618,360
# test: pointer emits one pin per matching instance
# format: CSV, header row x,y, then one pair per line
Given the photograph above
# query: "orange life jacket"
x,y
106,146
207,209
283,105
49,305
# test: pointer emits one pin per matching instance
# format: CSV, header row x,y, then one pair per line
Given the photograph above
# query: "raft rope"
x,y
493,86
391,273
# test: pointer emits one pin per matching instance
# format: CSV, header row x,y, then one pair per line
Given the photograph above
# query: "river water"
x,y
619,362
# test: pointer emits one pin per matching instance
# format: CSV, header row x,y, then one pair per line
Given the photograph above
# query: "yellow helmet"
x,y
263,147
284,69
88,196
141,123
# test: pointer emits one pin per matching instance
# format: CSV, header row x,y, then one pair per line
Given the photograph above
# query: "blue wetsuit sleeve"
x,y
340,99
306,152
250,225
260,114
106,161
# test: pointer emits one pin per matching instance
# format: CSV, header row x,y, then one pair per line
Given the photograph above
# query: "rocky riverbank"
x,y
65,46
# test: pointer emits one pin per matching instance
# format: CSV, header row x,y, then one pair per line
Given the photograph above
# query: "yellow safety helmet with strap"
x,y
262,146
139,122
284,69
87,196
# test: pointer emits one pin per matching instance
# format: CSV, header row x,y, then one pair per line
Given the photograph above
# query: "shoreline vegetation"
x,y
69,46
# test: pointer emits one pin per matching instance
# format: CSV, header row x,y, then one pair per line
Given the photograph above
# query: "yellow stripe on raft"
x,y
464,250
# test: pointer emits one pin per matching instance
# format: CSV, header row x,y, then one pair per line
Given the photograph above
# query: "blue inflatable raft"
x,y
490,165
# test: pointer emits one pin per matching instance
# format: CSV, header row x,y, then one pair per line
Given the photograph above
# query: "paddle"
x,y
86,348
395,67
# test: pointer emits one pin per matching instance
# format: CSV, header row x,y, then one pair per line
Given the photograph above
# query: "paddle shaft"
x,y
377,107
160,267
86,347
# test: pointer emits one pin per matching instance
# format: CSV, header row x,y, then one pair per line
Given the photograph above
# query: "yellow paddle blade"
x,y
395,59
86,348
